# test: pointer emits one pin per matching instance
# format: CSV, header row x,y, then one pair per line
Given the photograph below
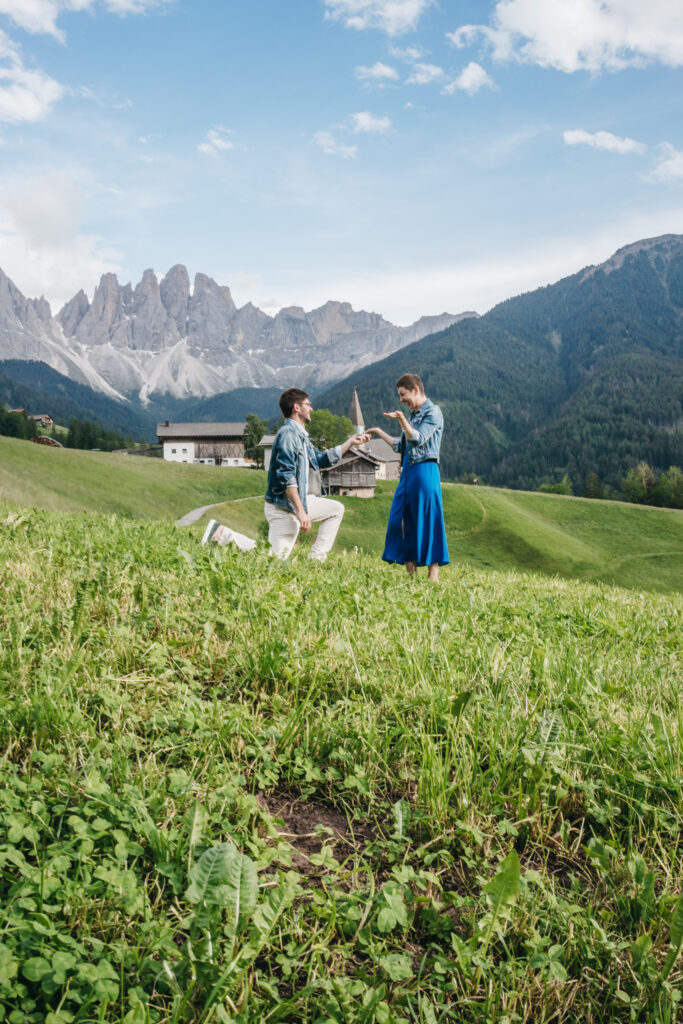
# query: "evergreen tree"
x,y
253,432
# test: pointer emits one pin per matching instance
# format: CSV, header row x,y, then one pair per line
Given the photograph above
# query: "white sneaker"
x,y
211,528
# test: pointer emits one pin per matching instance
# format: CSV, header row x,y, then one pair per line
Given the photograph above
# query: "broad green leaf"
x,y
675,937
397,965
386,919
194,820
400,812
504,886
211,870
242,886
639,950
36,968
460,702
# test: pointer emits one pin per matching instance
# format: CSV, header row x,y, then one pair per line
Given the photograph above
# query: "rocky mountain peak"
x,y
163,335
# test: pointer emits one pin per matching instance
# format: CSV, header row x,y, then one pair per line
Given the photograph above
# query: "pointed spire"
x,y
355,415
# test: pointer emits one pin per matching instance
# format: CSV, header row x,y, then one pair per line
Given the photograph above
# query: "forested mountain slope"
x,y
582,376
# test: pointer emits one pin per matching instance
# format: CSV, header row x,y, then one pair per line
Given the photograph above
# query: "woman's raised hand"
x,y
396,414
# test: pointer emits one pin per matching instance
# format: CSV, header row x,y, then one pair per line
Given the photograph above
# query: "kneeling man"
x,y
293,495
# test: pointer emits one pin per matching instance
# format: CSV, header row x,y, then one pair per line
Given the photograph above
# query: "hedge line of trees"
x,y
83,434
17,424
642,485
89,435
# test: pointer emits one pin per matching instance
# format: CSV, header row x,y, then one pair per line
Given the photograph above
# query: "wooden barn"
x,y
213,444
354,475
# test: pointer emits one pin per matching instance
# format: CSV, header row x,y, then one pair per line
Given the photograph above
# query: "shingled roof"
x,y
189,431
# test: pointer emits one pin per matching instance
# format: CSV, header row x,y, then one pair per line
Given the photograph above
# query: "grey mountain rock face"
x,y
168,337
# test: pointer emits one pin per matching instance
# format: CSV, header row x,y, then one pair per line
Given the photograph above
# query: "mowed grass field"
x,y
244,791
76,481
628,545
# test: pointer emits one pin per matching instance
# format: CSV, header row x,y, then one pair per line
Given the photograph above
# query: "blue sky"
x,y
408,156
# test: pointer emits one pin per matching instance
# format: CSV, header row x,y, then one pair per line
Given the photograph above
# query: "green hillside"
x,y
584,376
623,544
126,484
38,388
628,545
239,790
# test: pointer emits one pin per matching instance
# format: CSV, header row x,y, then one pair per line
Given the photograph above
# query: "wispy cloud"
x,y
391,16
40,16
217,141
376,73
329,144
424,74
87,93
411,54
603,140
591,35
41,240
471,79
669,164
364,121
25,94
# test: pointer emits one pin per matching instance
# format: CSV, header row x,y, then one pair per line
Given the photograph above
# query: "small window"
x,y
173,451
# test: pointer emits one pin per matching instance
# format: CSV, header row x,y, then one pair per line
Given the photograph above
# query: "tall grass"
x,y
489,773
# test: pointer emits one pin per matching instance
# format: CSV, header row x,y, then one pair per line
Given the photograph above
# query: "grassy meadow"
x,y
77,481
238,790
628,545
608,541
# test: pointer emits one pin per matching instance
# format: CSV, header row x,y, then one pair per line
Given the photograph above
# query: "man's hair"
x,y
289,398
410,381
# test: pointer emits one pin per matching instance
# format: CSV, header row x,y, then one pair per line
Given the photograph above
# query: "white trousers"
x,y
283,527
224,535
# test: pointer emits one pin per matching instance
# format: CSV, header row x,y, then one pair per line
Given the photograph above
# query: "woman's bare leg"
x,y
433,572
410,568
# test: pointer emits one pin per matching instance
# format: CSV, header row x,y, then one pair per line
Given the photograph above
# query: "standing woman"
x,y
415,532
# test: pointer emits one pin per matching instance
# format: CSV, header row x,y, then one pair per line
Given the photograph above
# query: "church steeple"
x,y
355,415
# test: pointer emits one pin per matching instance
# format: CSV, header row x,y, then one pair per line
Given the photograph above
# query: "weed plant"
x,y
489,772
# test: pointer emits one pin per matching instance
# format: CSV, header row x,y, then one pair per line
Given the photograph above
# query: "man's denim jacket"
x,y
290,458
425,442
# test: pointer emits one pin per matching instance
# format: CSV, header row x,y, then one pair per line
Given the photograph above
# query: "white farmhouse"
x,y
212,444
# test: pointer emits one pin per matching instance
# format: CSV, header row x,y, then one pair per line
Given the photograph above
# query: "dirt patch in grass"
x,y
308,826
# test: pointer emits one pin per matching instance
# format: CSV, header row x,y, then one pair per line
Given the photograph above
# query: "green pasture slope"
x,y
239,790
132,485
613,542
635,547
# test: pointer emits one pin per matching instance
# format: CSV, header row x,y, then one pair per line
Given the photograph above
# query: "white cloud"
x,y
40,16
391,16
411,54
25,95
329,145
367,122
376,73
471,79
216,142
669,164
424,74
41,247
603,140
86,93
572,35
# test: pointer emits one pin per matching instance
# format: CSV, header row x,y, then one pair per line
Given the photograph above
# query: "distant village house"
x,y
211,444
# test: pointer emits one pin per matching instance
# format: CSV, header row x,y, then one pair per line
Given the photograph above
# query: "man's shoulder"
x,y
288,433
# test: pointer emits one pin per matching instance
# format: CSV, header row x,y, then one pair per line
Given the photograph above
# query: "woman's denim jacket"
x,y
427,424
290,458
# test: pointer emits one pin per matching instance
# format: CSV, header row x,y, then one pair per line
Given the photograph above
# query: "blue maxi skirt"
x,y
415,532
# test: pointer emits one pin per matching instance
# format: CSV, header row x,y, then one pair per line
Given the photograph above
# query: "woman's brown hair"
x,y
410,381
